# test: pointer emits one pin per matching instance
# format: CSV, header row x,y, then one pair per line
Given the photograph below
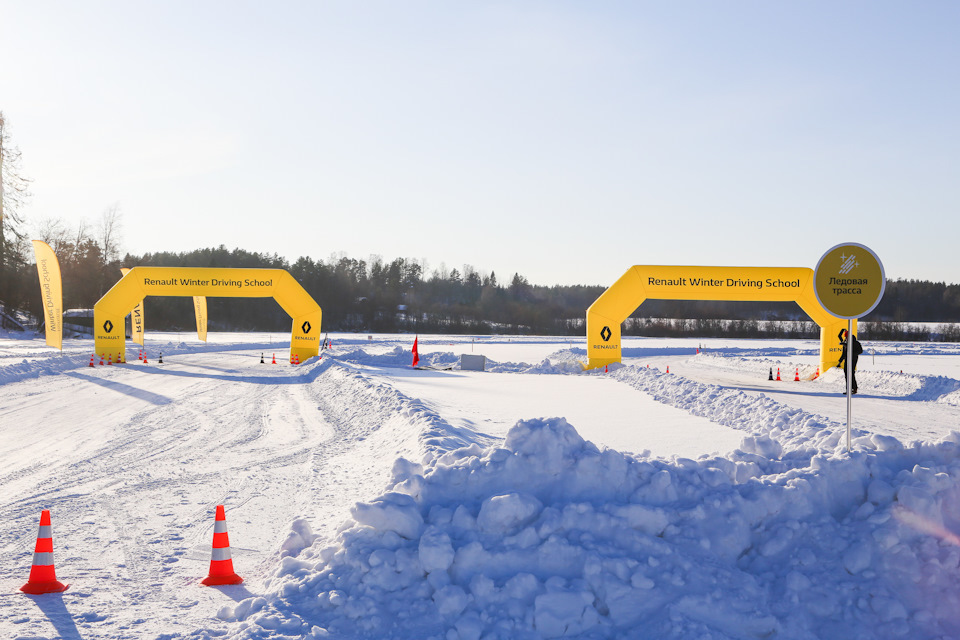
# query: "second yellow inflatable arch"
x,y
759,284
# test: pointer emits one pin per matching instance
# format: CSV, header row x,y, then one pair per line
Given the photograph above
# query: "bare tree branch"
x,y
13,194
109,232
14,187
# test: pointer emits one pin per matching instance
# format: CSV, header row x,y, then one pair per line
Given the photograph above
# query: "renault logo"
x,y
306,327
108,326
605,333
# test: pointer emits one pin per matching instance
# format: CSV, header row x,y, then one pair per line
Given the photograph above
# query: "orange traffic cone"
x,y
778,374
274,359
605,369
668,368
817,373
101,359
91,359
221,564
110,359
144,357
140,355
43,578
796,377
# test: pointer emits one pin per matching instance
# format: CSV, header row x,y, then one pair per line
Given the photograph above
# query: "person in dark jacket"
x,y
855,353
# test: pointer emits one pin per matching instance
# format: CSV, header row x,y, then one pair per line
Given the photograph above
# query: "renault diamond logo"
x,y
605,333
108,326
306,327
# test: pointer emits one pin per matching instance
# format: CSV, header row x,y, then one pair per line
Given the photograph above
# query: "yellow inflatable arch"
x,y
139,282
639,283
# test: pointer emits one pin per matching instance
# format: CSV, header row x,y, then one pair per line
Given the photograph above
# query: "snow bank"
x,y
548,536
774,428
565,361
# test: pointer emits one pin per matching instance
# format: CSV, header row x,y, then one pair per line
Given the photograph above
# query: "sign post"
x,y
849,282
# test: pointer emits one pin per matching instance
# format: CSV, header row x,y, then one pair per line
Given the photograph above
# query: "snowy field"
x,y
366,499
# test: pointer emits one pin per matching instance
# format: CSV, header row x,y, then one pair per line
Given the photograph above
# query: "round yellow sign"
x,y
849,280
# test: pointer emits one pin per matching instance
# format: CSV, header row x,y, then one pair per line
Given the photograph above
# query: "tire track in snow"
x,y
132,511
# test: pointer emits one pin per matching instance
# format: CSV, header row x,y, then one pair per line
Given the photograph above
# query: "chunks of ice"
x,y
395,512
504,514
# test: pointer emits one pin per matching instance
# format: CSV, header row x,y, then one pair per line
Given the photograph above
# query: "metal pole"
x,y
849,364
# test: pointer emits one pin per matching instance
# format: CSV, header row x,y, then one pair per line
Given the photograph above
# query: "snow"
x,y
596,404
366,499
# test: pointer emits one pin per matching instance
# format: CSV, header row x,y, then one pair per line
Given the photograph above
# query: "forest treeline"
x,y
377,295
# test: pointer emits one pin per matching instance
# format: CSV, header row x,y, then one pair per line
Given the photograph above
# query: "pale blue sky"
x,y
566,141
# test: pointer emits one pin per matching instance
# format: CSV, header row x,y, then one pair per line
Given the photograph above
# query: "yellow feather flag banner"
x,y
51,291
137,325
200,306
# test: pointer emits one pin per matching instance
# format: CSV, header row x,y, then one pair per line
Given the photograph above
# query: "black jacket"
x,y
857,350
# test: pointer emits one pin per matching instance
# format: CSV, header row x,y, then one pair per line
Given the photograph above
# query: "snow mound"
x,y
564,361
396,357
548,536
559,363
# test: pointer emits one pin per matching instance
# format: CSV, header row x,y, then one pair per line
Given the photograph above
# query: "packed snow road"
x,y
134,459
